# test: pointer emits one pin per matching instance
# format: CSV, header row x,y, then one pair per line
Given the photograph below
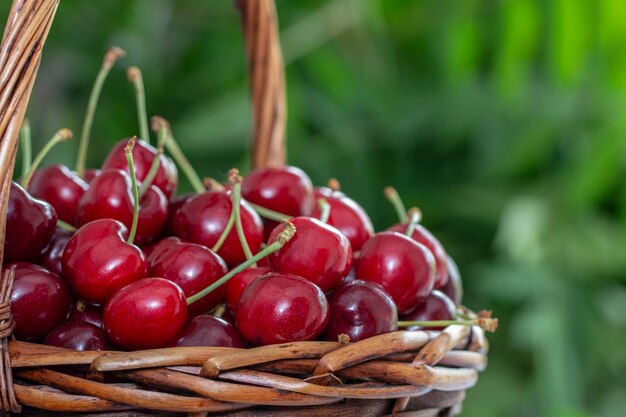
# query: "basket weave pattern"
x,y
416,373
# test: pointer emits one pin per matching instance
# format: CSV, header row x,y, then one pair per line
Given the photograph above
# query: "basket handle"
x,y
267,81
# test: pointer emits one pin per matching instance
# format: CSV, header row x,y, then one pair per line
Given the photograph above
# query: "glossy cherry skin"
x,y
146,314
166,178
90,174
30,226
87,313
437,306
192,267
40,301
346,215
423,236
404,268
228,316
280,308
203,218
454,287
208,330
175,203
60,187
98,261
317,252
234,287
360,309
78,336
110,197
51,258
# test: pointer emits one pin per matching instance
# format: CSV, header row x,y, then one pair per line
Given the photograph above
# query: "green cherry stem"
x,y
65,226
26,147
324,210
269,214
395,200
236,202
283,238
156,162
135,77
488,324
225,232
112,55
128,150
415,216
61,136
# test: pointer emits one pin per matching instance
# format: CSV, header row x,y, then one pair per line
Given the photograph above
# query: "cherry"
x,y
454,286
51,258
235,286
78,336
87,313
346,215
208,330
91,174
405,268
110,196
193,267
360,309
146,314
61,188
437,306
40,301
30,226
174,204
228,316
318,252
97,260
203,218
278,308
166,178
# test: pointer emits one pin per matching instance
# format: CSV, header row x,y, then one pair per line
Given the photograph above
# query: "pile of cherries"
x,y
113,259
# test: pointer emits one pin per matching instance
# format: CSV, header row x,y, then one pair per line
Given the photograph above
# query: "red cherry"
x,y
346,215
423,236
110,197
166,178
234,287
86,313
146,314
405,268
192,267
78,336
454,286
90,174
175,203
40,301
279,308
98,261
317,252
51,258
30,226
437,306
208,330
203,218
360,309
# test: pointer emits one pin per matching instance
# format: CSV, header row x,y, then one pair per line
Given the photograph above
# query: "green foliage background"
x,y
504,120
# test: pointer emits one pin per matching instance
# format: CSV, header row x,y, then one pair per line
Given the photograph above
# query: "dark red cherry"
x,y
60,187
229,316
143,154
87,313
317,252
208,330
404,268
279,308
203,218
51,258
423,236
110,197
98,261
40,301
360,309
78,336
192,267
30,226
454,287
90,174
346,215
175,203
437,306
146,314
234,287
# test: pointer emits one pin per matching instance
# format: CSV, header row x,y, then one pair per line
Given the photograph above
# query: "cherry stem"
x,y
225,232
488,324
27,149
333,184
236,201
269,214
219,310
135,77
61,136
66,226
112,55
128,150
395,200
156,162
212,184
415,216
324,210
283,238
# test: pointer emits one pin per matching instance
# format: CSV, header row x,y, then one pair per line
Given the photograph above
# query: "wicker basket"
x,y
409,373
